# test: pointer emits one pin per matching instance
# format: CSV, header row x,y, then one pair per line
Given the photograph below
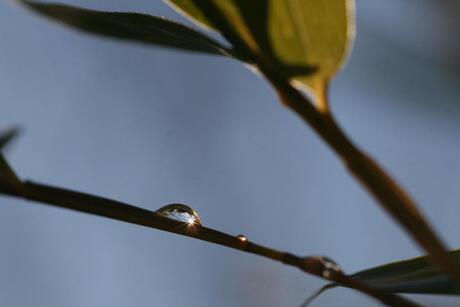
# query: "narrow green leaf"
x,y
316,294
415,275
131,26
306,41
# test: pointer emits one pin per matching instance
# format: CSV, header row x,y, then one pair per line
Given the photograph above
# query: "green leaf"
x,y
306,41
415,275
131,26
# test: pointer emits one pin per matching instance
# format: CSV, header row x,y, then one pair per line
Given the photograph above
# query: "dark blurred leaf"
x,y
9,181
415,275
304,40
7,135
131,26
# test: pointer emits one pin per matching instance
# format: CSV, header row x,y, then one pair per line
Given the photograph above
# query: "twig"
x,y
385,190
317,293
96,205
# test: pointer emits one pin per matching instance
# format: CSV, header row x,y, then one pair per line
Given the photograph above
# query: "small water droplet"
x,y
181,213
242,238
326,273
320,265
330,266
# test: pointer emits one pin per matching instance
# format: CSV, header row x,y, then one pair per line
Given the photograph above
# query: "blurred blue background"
x,y
149,126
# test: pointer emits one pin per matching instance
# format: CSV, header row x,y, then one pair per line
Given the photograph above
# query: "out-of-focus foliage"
x,y
131,26
306,41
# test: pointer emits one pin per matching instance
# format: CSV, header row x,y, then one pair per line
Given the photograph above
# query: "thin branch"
x,y
385,190
96,205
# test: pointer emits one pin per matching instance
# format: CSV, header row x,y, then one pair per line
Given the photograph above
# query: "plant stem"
x,y
96,205
379,184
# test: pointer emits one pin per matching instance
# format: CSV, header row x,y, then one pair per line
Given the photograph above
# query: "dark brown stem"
x,y
392,198
379,184
96,205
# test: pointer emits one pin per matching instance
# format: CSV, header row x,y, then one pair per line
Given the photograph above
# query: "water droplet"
x,y
242,238
329,266
320,265
326,273
181,213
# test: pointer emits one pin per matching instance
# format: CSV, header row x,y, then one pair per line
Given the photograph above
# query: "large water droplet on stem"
x,y
242,238
181,213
